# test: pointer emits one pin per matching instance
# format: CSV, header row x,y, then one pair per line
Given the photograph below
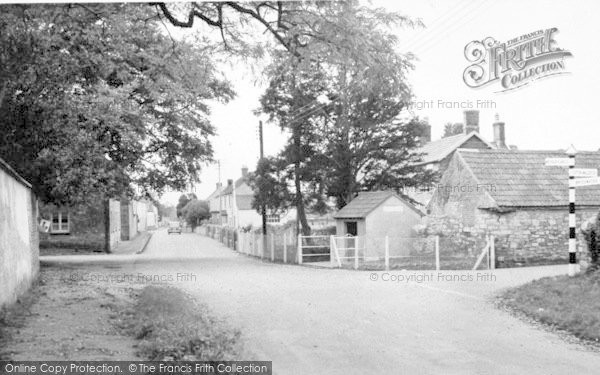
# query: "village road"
x,y
328,321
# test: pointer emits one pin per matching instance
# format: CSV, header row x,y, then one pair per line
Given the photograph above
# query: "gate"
x,y
313,249
347,249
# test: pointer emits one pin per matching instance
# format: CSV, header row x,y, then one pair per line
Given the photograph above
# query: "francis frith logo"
x,y
514,63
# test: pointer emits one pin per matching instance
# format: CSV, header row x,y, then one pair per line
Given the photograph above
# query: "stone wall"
x,y
524,236
19,241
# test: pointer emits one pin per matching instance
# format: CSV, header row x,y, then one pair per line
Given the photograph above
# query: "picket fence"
x,y
422,253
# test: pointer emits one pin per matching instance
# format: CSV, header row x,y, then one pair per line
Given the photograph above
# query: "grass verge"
x,y
171,326
13,316
571,304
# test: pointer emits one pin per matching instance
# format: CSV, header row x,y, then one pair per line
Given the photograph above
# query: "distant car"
x,y
174,227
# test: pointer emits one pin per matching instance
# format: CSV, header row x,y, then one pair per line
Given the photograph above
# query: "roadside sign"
x,y
44,226
583,172
584,181
560,162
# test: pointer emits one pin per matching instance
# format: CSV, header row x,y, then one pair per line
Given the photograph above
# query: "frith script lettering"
x,y
515,63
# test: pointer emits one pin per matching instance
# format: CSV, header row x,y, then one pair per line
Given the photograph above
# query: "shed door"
x,y
351,228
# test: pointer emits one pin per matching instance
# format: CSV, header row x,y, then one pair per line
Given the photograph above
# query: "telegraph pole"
x,y
263,208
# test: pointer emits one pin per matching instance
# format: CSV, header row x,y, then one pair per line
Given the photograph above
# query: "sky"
x,y
550,113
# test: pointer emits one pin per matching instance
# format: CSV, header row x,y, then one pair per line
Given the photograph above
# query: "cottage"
x,y
372,216
514,196
215,205
19,241
235,202
437,154
95,222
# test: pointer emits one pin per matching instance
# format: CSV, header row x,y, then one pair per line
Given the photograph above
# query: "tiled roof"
x,y
519,178
229,188
215,193
437,150
366,202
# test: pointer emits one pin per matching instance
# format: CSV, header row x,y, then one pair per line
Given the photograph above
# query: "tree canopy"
x,y
196,211
98,99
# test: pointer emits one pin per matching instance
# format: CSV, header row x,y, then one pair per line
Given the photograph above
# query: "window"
x,y
273,218
60,222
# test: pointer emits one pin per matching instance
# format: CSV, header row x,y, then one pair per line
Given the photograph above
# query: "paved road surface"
x,y
328,321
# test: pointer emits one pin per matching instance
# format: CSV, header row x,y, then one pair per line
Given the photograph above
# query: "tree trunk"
x,y
299,196
107,226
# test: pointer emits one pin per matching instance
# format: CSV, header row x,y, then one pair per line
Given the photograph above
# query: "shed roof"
x,y
519,178
366,202
437,150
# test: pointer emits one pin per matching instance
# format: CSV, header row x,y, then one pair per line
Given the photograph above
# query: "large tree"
x,y
339,103
97,99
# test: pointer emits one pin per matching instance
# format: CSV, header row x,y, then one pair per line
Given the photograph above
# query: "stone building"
x,y
437,154
512,195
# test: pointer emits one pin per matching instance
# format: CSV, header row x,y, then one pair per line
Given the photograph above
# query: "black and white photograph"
x,y
299,187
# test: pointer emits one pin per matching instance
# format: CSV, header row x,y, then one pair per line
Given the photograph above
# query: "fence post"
x,y
299,249
387,253
492,252
355,253
254,243
262,246
272,247
284,247
437,253
331,244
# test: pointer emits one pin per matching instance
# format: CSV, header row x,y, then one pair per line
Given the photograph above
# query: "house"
x,y
19,240
372,216
512,195
236,202
437,154
137,216
216,205
126,218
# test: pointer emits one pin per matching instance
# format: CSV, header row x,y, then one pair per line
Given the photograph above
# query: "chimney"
x,y
425,131
219,185
229,182
244,171
499,137
471,123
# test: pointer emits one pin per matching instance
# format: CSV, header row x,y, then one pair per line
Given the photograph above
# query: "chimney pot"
x,y
471,121
499,135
